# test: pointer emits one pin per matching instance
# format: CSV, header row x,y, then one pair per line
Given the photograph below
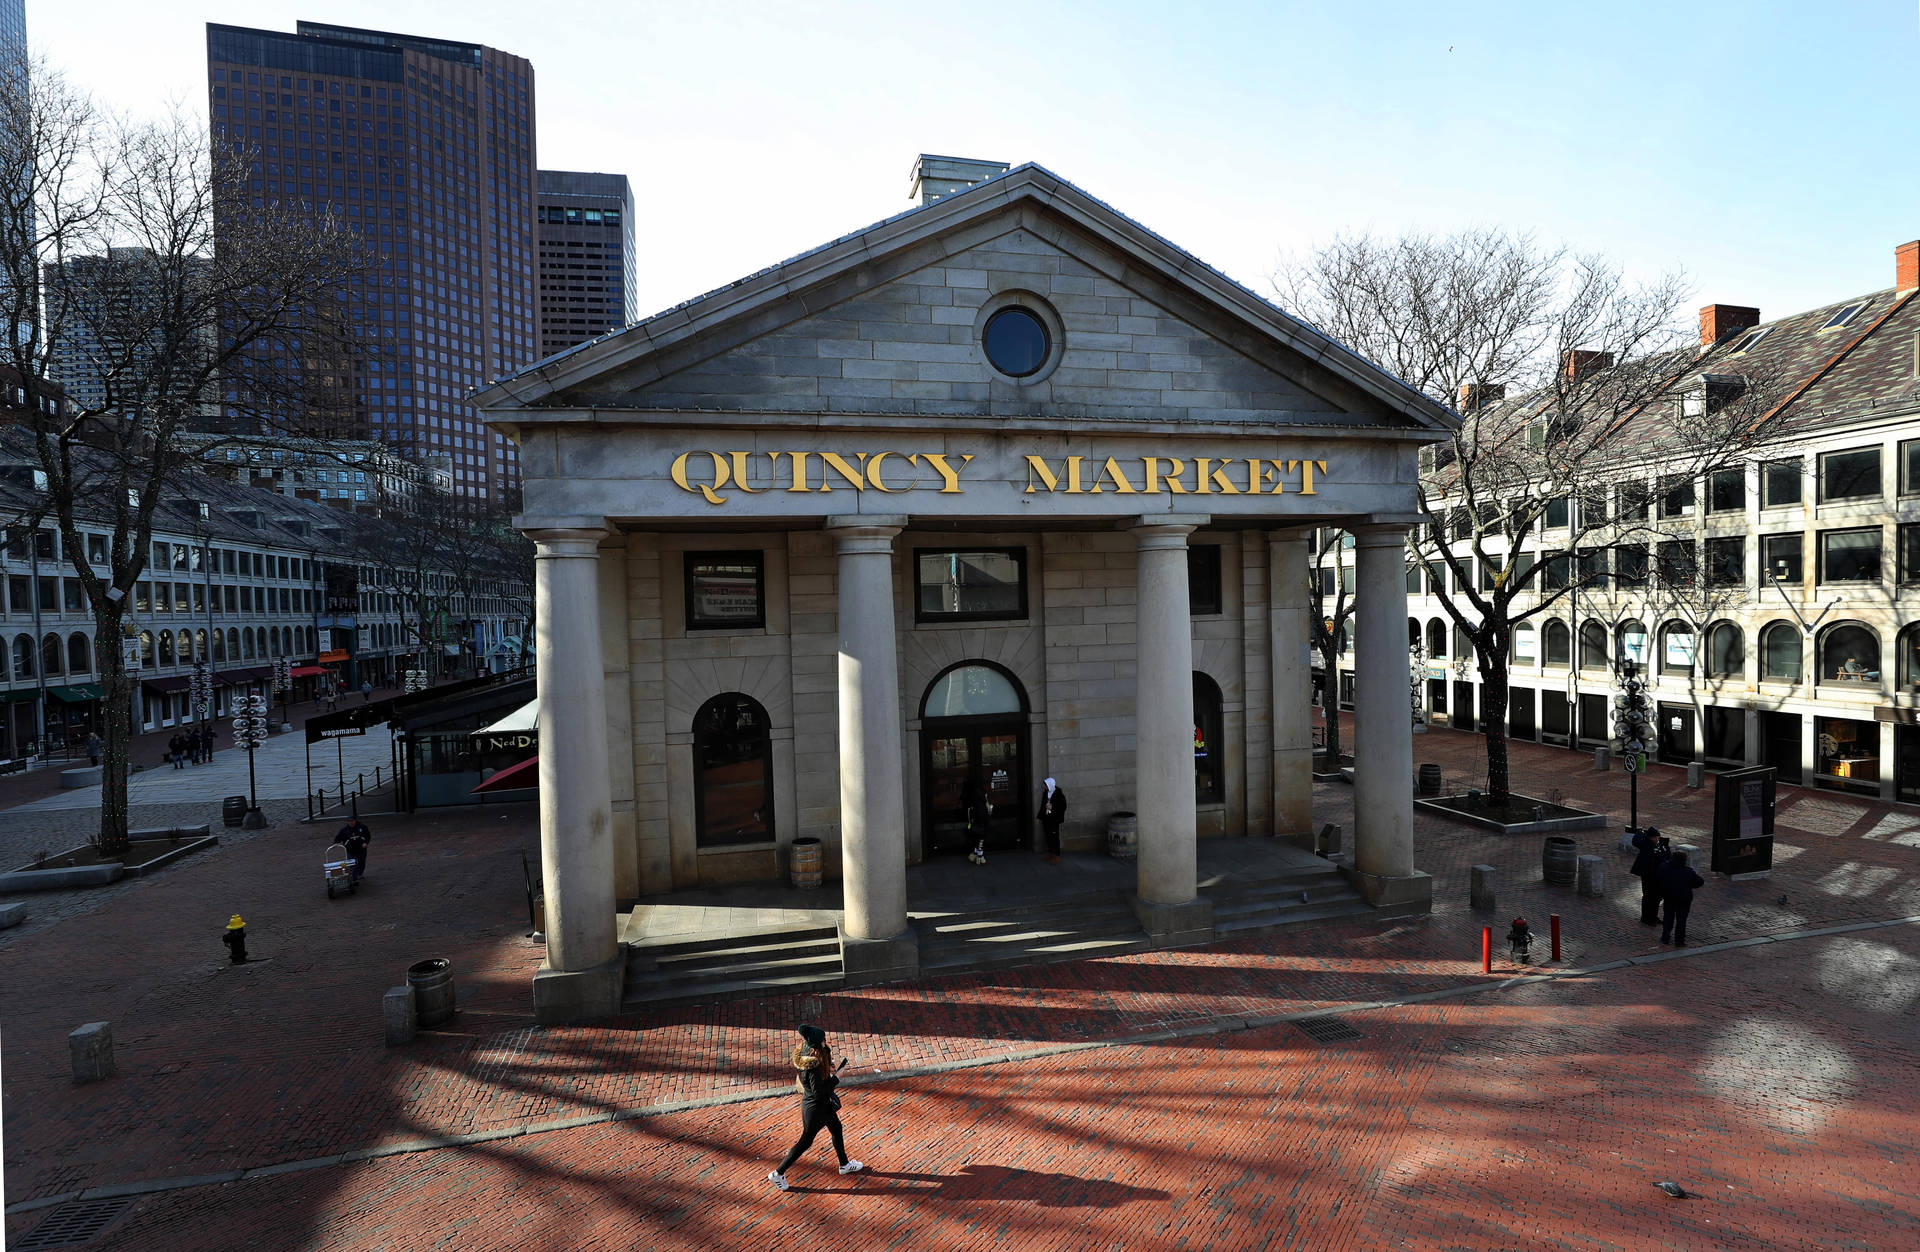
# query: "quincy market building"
x,y
1003,488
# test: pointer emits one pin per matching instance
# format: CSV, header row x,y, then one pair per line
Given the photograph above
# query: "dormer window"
x,y
1844,316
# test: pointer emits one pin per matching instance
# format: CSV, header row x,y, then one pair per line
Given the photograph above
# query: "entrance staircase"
x,y
1069,929
1298,896
732,967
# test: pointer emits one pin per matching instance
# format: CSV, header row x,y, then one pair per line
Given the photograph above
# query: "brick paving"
x,y
227,1068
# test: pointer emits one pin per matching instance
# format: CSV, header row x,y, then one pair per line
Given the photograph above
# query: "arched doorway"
x,y
974,727
732,772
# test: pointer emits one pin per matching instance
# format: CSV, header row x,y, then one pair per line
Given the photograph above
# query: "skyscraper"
x,y
586,257
105,323
426,146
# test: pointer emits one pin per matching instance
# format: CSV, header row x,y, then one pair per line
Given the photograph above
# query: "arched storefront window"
x,y
1849,656
233,645
200,645
1437,639
1908,653
246,637
273,640
1558,642
971,691
1593,646
1726,651
79,654
1209,756
52,656
732,772
1676,648
23,656
1633,644
219,646
166,647
1523,645
1413,634
1780,652
146,647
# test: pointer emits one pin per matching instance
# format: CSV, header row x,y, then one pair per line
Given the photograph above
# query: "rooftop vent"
x,y
937,176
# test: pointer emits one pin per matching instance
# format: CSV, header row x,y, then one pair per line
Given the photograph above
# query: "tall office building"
x,y
426,147
106,320
13,31
586,257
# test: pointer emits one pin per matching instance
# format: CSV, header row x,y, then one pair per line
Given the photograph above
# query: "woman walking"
x,y
1053,811
814,1075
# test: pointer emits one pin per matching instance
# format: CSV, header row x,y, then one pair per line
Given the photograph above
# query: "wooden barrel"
x,y
233,810
1123,836
806,862
432,983
1559,861
1429,780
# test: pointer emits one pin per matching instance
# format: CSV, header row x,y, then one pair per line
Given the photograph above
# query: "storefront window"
x,y
1593,646
1209,765
1676,648
1436,640
1559,644
726,590
1847,755
1203,579
970,585
1726,651
1523,652
1908,654
1633,643
733,772
971,691
1849,655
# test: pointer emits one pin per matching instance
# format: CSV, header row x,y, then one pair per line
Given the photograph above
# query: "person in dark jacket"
x,y
176,748
1677,884
979,814
355,837
815,1076
1646,867
1053,811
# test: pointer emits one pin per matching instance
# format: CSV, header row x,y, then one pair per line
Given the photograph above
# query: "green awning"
x,y
76,694
19,695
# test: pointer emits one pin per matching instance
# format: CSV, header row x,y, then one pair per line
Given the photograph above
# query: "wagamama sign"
x,y
713,475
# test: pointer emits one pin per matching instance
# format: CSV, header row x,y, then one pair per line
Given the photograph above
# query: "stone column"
x,y
1289,620
876,944
1383,726
585,965
1167,903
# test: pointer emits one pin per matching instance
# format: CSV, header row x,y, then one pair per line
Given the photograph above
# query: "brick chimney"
x,y
1906,266
937,176
1476,396
1578,363
1717,321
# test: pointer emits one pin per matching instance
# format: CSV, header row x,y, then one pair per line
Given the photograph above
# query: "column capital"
x,y
565,541
857,533
1166,530
1380,536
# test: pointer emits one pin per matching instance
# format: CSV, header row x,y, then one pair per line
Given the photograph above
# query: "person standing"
x,y
212,733
366,691
816,1076
1677,885
355,837
176,748
93,749
1053,811
1647,865
979,815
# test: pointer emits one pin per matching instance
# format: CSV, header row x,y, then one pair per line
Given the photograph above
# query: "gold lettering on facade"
x,y
799,460
740,471
720,476
1073,476
1215,480
835,462
873,472
1306,475
948,475
1120,483
1259,470
1174,485
1037,467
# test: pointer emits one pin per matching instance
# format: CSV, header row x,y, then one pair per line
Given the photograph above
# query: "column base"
x,y
867,961
1175,925
1394,895
578,995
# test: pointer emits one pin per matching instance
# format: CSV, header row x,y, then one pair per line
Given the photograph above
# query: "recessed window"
x,y
1203,580
1016,342
1780,483
1850,475
1850,555
1727,491
1845,315
1782,558
976,584
726,590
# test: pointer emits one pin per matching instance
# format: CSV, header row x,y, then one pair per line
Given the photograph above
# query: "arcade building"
x,y
1003,488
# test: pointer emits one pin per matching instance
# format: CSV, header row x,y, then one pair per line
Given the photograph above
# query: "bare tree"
x,y
1533,495
113,280
1330,591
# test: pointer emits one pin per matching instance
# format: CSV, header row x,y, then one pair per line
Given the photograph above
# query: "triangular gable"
x,y
882,321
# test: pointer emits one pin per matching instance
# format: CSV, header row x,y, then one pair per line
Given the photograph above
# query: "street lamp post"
x,y
1635,730
249,732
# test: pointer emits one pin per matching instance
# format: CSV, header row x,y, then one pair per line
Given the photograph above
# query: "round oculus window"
x,y
1017,342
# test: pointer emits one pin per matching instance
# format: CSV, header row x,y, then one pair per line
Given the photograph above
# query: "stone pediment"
x,y
887,321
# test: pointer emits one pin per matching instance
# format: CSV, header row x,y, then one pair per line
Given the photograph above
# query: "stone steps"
x,y
1296,898
1067,930
732,967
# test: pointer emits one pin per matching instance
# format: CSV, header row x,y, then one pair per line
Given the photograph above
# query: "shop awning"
x,y
330,658
524,718
236,677
19,695
307,671
78,693
168,683
514,777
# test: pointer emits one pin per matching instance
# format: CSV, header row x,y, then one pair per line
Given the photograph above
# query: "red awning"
x,y
338,654
514,777
307,671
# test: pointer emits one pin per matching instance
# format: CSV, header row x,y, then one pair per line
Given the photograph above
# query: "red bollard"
x,y
1486,949
1553,920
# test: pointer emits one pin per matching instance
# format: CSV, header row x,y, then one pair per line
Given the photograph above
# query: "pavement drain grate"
x,y
1327,1030
73,1223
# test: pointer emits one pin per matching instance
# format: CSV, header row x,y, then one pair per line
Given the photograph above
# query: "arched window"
x,y
1437,639
219,646
166,647
1593,646
1558,643
1780,652
1633,644
1726,651
246,637
23,656
1523,645
1413,634
1209,755
146,647
200,645
79,654
732,772
52,656
971,691
1462,645
1908,653
273,639
233,645
185,648
1849,656
1677,648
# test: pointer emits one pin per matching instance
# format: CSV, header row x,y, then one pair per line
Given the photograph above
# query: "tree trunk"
x,y
116,708
1493,696
1330,707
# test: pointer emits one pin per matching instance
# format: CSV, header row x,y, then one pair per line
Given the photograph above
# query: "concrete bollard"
x,y
91,1048
1330,840
1592,877
1603,758
398,1015
12,914
1693,854
1696,775
1480,893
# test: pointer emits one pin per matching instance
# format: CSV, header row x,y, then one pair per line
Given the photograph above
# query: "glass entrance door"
x,y
994,756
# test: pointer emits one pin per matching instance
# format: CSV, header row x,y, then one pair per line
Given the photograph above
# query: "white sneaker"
x,y
777,1178
852,1167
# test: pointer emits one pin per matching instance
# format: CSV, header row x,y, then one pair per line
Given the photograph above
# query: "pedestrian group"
x,y
1667,884
193,747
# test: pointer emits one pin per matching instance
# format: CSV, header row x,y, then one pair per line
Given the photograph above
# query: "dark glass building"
x,y
426,147
586,257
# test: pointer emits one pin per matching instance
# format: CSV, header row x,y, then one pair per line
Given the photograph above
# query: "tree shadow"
x,y
986,1183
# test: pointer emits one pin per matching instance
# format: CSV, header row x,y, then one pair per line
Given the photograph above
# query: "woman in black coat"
x,y
815,1077
1053,811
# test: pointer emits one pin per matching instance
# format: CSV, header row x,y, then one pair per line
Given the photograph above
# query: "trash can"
x,y
1429,780
1559,860
233,810
432,983
1123,836
806,863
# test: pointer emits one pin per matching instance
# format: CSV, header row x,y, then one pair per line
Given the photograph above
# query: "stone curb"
x,y
167,858
1212,1026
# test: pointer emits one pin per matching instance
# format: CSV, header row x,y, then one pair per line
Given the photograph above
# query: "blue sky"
x,y
1769,150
